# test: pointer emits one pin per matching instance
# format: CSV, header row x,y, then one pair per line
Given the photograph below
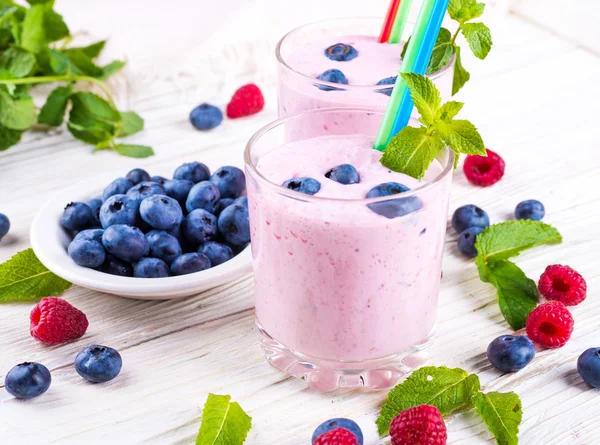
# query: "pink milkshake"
x,y
346,287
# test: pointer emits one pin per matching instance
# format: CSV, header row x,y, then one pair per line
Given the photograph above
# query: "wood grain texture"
x,y
527,105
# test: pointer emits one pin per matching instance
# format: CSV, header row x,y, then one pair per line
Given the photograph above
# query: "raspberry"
x,y
563,284
246,100
550,324
482,170
420,425
338,436
54,321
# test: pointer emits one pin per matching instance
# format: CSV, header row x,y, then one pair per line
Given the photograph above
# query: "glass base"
x,y
329,375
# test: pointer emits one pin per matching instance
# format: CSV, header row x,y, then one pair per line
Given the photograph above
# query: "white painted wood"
x,y
175,352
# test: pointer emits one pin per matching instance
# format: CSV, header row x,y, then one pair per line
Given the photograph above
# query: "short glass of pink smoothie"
x,y
346,287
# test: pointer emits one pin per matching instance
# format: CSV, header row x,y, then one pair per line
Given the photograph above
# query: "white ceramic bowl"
x,y
50,241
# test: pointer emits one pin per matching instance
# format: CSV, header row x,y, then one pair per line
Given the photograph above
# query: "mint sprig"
x,y
413,150
517,294
502,413
223,422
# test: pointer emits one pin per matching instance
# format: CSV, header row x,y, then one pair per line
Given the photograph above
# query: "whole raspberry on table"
x,y
563,284
420,425
338,436
53,321
484,170
550,324
246,100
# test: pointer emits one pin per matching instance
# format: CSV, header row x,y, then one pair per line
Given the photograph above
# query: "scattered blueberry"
x,y
344,174
138,175
114,266
466,241
510,353
178,189
308,186
150,268
340,52
393,208
143,190
118,209
588,366
217,253
242,200
469,216
119,186
192,171
234,225
199,227
190,263
163,245
161,212
158,179
387,81
222,204
95,205
87,252
230,181
530,209
27,380
125,242
204,195
333,76
4,225
206,117
77,216
98,363
332,424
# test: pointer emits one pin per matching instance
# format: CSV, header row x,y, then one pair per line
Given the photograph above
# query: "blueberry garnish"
x,y
340,52
530,209
308,186
393,208
510,353
98,363
387,81
333,76
344,174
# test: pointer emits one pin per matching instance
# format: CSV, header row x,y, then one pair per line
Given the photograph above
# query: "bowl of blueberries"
x,y
148,237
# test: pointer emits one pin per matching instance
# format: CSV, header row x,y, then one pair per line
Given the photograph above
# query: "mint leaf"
x,y
54,26
92,50
425,96
24,278
81,63
461,136
111,68
19,62
132,123
465,10
479,38
92,119
461,75
447,389
17,113
441,54
502,413
9,137
134,151
223,422
53,111
447,112
412,151
41,26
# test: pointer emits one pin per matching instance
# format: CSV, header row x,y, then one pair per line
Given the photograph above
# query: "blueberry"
x,y
230,181
387,81
530,209
119,186
340,52
4,225
469,216
192,171
98,363
90,234
178,189
118,209
87,252
222,204
344,174
206,117
466,241
204,195
158,179
242,200
77,216
308,186
588,366
163,245
95,205
145,189
114,266
161,212
234,225
332,424
510,353
138,175
199,227
150,268
333,76
125,242
393,208
217,253
27,380
190,263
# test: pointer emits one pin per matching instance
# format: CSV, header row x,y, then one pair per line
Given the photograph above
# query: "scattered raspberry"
x,y
246,100
54,321
550,324
421,425
338,436
482,170
563,284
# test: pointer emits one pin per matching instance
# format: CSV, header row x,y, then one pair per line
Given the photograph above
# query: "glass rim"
x,y
447,169
281,60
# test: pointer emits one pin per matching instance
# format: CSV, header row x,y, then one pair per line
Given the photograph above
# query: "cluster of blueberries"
x,y
152,227
341,52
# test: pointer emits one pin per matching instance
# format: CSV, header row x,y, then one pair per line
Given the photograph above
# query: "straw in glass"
x,y
400,21
389,21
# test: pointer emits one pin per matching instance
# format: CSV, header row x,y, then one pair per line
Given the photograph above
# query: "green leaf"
x,y
6,11
9,137
412,151
59,63
54,26
461,75
39,2
442,52
132,123
479,38
447,389
223,422
24,278
462,136
41,25
92,50
134,151
53,111
17,113
19,62
425,95
502,413
92,119
465,10
111,68
448,111
81,63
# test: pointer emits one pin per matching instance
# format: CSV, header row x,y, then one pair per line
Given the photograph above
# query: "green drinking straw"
x,y
408,63
400,21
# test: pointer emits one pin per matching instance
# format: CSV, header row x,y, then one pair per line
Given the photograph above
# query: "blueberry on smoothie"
x,y
192,171
344,174
86,252
387,81
340,52
118,209
393,208
161,212
114,266
178,189
466,241
143,190
150,268
138,175
95,205
217,253
77,216
163,245
530,209
119,186
234,225
27,380
199,227
206,117
190,263
510,353
469,216
98,363
230,181
4,225
333,76
204,195
308,186
125,242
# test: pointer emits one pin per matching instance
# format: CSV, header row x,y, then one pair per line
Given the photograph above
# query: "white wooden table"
x,y
530,106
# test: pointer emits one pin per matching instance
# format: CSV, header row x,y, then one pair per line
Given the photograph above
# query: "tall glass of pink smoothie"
x,y
346,286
